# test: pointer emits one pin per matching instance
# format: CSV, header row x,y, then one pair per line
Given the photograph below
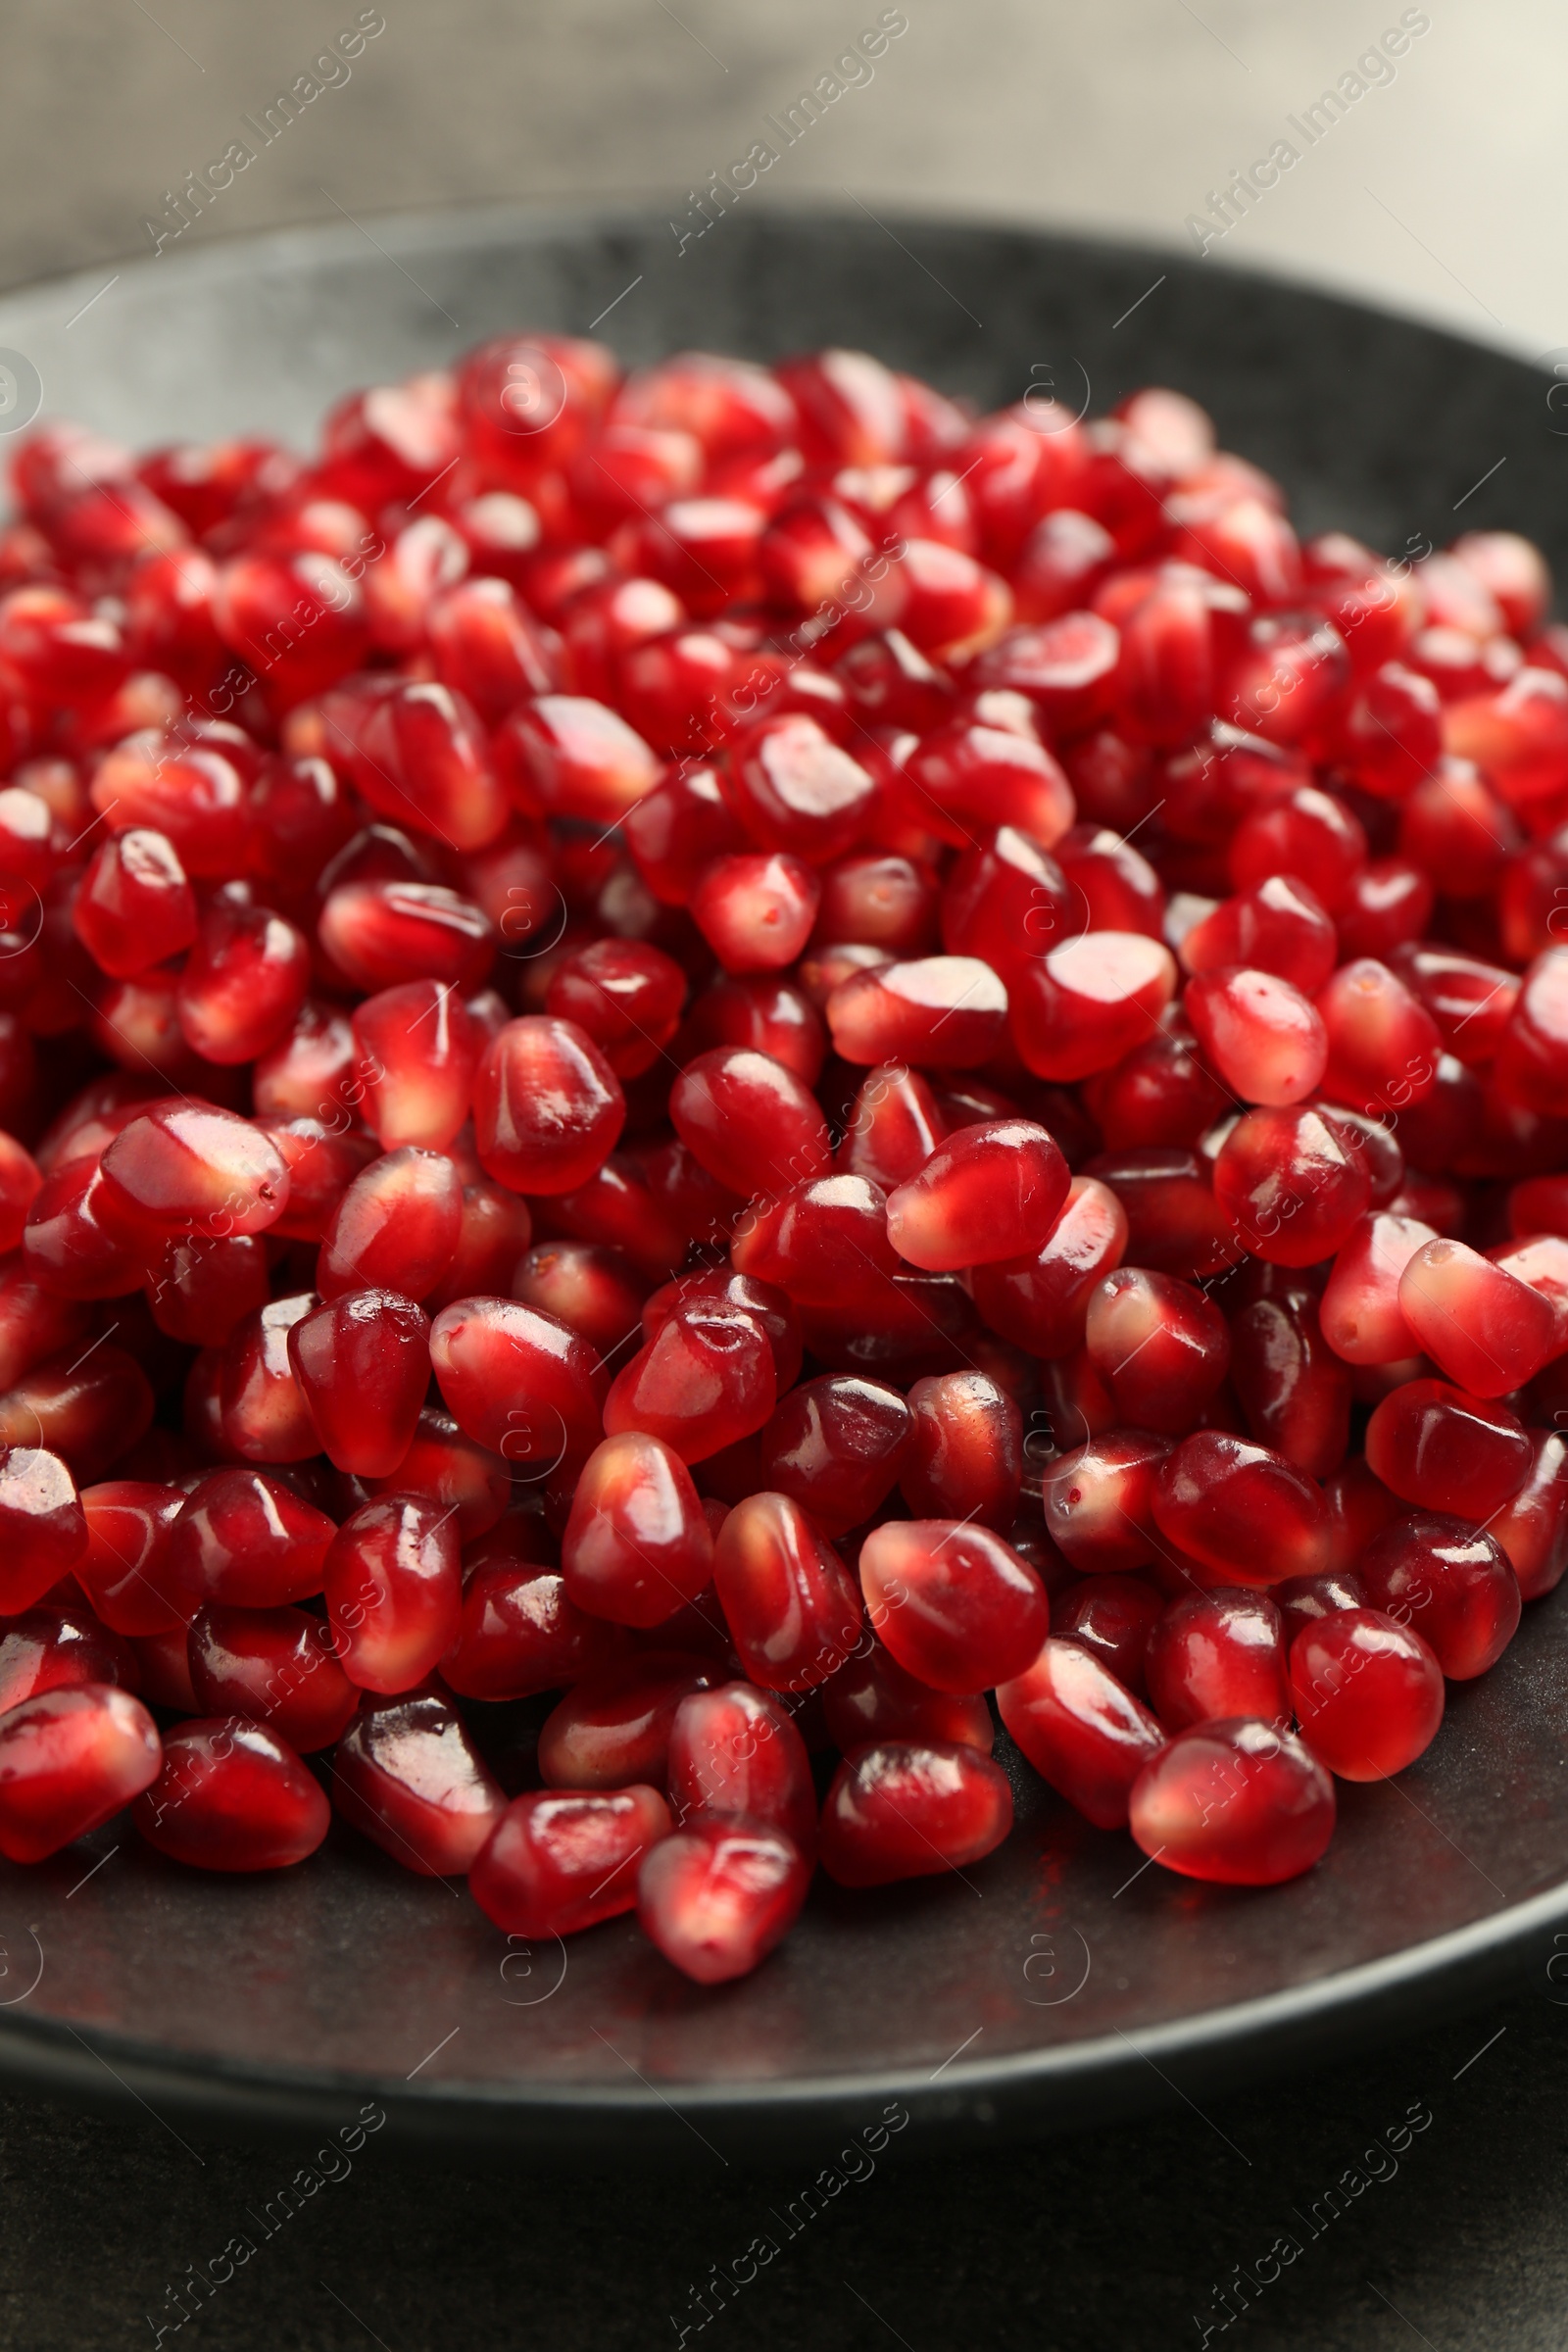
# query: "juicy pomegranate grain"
x,y
907,1809
70,1758
558,1863
1080,1729
1239,1802
232,1795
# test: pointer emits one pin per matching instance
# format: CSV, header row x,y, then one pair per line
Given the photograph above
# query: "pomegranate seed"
x,y
517,1382
1080,1729
277,1667
1099,1501
1111,1617
908,1809
1213,1655
42,1521
1263,1038
1039,1302
406,1774
956,1605
792,1611
736,1750
186,1167
1293,1389
965,1454
547,1108
363,1365
124,1570
1084,1005
1239,1802
1161,1349
232,1795
70,1758
836,1445
556,1864
1242,1511
992,1191
614,1727
1369,1692
637,1547
1294,1184
719,1895
1451,1581
872,1698
396,1227
1437,1448
749,1121
242,1536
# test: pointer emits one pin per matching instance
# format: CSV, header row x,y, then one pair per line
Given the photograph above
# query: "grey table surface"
x,y
1421,2189
1439,194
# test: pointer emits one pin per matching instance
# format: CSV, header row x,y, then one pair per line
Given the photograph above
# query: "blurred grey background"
x,y
1438,189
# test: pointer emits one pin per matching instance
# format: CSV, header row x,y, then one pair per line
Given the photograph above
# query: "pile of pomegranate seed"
x,y
734,1053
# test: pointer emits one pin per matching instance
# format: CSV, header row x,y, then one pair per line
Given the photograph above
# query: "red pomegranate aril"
x,y
548,1109
626,994
1292,1184
408,1775
263,1413
956,1605
69,1246
70,1758
557,1863
1309,835
396,1227
187,1167
836,1445
613,1728
989,1191
1242,1509
792,1611
1111,1617
719,1893
912,1809
243,1535
704,1381
1040,1300
1263,1036
1295,1391
1367,1692
1361,1315
733,1292
243,982
1452,1582
1099,1501
637,1547
232,1795
735,1749
1533,1051
363,1365
1276,928
124,1570
517,1382
1175,1225
381,932
200,1291
595,1291
963,1459
1081,1007
1482,1327
893,1127
1080,1729
86,1408
795,790
824,1243
1470,1000
419,1049
1445,1451
394,1592
519,1634
749,1121
1384,1045
1213,1655
134,907
872,1698
278,1667
1159,1345
1239,1802
43,1528
941,1011
756,908
1531,1527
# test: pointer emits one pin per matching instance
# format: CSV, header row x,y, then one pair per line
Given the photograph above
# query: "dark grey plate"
x,y
1057,1982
